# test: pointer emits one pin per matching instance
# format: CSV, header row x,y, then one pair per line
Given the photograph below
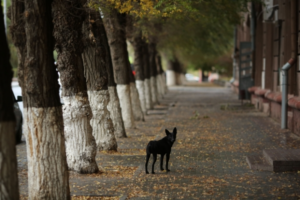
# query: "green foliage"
x,y
198,32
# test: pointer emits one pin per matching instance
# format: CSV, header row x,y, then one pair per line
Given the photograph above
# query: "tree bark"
x,y
114,102
114,23
94,57
80,144
153,73
135,38
9,187
43,125
135,99
160,77
137,44
134,94
147,85
17,30
180,78
171,73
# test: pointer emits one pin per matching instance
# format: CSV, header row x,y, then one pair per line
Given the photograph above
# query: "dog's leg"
x,y
167,162
161,162
146,165
154,160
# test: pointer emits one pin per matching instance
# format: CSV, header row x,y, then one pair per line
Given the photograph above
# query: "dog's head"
x,y
171,136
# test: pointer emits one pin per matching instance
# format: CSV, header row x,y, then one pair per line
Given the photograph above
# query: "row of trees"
x,y
91,56
101,96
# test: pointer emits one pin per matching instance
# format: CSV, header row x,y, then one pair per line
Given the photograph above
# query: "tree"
x,y
161,81
117,43
94,57
17,30
193,31
148,94
9,187
114,103
135,99
136,87
80,144
43,125
137,43
153,72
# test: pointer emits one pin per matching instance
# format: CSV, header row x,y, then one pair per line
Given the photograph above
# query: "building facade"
x,y
267,40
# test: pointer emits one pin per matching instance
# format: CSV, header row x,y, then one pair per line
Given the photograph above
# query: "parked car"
x,y
19,118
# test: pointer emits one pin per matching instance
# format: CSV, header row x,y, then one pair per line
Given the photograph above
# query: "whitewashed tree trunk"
x,y
164,83
153,89
47,168
135,103
182,78
80,143
140,86
171,78
126,107
115,112
148,95
103,129
9,188
159,86
98,73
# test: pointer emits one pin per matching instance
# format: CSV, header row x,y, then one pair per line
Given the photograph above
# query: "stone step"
x,y
257,162
283,159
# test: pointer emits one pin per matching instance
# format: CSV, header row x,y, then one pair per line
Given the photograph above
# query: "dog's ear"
x,y
167,132
175,131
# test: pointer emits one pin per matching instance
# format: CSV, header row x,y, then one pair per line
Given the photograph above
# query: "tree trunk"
x,y
9,187
135,38
134,94
171,74
148,95
160,77
94,57
135,99
164,87
43,125
114,26
114,103
137,44
80,143
153,73
17,30
180,78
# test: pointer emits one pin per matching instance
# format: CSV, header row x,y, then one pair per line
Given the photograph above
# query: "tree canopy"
x,y
198,32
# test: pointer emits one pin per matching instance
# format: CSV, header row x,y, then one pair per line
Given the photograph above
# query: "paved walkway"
x,y
215,133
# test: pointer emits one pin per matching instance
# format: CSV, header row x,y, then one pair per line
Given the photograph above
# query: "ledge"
x,y
261,92
253,88
294,102
274,96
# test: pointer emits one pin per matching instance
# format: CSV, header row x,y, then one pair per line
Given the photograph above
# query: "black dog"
x,y
161,147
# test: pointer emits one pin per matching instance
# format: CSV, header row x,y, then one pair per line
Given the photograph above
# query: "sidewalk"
x,y
215,134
